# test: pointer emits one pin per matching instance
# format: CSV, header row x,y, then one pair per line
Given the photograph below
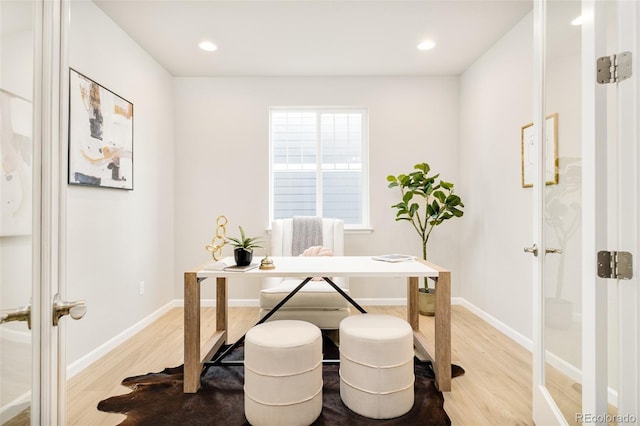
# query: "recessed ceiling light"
x,y
577,21
207,46
427,45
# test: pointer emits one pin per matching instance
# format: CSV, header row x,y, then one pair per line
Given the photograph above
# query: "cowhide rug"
x,y
157,398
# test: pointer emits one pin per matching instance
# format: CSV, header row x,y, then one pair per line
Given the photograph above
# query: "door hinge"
x,y
614,68
615,264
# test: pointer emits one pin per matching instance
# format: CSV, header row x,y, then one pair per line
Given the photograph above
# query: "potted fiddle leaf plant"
x,y
427,202
243,251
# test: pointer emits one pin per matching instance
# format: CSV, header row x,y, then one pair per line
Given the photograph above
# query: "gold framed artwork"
x,y
551,152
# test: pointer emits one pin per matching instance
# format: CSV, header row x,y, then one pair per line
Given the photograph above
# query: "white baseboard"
x,y
82,363
15,407
400,301
566,368
514,335
555,361
208,303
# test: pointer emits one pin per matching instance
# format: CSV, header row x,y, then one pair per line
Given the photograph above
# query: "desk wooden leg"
x,y
412,303
192,364
442,362
222,307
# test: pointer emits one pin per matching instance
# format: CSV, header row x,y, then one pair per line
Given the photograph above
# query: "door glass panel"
x,y
563,208
16,192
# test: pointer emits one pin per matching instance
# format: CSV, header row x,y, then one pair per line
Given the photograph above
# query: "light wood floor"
x,y
495,390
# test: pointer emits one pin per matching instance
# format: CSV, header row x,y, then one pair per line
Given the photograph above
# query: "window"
x,y
319,164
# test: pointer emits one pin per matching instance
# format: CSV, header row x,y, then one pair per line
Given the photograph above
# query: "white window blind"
x,y
318,164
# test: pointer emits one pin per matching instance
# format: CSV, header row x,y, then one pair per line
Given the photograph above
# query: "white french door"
x,y
586,325
33,78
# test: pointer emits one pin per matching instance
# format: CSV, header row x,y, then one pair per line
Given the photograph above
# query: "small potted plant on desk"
x,y
243,252
426,203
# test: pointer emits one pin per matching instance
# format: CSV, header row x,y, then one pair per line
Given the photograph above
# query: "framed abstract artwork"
x,y
100,135
551,152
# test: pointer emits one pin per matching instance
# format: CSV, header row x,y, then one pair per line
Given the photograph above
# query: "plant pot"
x,y
243,256
427,301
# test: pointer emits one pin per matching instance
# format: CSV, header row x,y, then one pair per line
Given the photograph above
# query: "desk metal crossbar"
x,y
220,358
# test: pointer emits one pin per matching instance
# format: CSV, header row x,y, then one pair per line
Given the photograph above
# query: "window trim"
x,y
365,226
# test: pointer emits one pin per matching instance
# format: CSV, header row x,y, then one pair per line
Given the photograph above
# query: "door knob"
x,y
61,308
21,314
533,249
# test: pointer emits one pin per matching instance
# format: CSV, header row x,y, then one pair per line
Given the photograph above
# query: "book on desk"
x,y
228,264
395,258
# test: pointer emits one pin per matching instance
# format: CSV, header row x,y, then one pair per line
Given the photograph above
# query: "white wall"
x,y
216,162
222,161
117,238
496,101
467,128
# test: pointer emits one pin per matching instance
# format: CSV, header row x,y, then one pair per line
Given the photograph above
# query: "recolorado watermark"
x,y
605,418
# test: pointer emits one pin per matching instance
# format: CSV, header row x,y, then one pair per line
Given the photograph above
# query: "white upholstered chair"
x,y
317,302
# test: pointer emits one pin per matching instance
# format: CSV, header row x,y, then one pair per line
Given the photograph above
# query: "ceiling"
x,y
315,37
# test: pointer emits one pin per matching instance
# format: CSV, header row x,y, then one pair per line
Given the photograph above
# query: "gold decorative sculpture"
x,y
220,238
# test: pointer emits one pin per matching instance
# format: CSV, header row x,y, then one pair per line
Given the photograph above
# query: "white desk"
x,y
323,266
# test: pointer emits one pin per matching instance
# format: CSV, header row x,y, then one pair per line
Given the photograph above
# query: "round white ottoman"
x,y
376,365
283,373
